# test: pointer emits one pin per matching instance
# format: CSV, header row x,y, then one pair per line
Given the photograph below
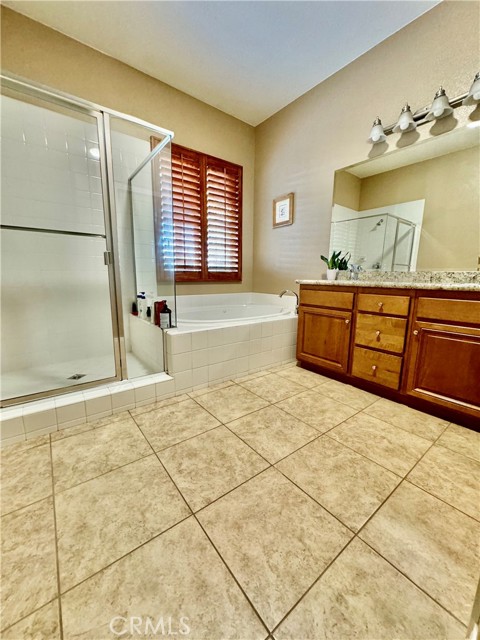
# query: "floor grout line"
x,y
422,589
57,597
237,582
57,558
334,559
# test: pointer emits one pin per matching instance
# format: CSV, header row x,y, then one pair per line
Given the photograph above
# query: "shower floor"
x,y
55,376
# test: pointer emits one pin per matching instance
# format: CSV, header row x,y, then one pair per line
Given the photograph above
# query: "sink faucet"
x,y
355,270
280,295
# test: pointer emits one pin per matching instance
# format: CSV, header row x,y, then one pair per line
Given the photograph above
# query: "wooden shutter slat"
x,y
206,201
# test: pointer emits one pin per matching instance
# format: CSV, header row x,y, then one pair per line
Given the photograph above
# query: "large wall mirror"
x,y
417,208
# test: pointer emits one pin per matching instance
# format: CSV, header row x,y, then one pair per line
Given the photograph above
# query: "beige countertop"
x,y
445,286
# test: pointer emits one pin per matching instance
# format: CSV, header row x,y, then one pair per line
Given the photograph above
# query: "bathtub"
x,y
224,336
229,309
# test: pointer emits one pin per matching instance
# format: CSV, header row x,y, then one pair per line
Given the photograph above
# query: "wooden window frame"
x,y
205,162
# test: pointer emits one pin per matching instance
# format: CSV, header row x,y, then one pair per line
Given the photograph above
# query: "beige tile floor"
x,y
282,505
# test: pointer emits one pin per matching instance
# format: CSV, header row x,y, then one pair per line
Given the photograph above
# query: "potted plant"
x,y
332,264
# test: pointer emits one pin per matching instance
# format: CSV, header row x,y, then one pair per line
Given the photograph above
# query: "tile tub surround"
x,y
205,354
248,520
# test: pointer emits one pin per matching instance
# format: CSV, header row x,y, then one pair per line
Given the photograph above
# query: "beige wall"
x,y
346,190
299,148
451,219
38,53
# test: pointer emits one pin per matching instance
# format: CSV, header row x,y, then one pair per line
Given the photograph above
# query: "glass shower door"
x,y
59,329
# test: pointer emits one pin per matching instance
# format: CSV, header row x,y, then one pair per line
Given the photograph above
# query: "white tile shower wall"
x,y
55,297
50,169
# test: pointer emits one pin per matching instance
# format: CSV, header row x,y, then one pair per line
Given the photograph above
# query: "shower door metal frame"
x,y
102,117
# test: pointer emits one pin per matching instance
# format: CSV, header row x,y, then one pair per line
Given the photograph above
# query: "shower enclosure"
x,y
382,241
77,242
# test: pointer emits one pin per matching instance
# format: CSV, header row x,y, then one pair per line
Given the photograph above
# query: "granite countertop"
x,y
446,286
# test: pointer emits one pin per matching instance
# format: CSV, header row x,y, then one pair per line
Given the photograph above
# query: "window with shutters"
x,y
206,229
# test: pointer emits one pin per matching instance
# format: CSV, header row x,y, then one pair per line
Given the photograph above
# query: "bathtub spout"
x,y
280,295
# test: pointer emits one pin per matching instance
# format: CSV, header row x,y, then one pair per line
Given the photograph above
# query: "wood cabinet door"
x,y
444,365
324,337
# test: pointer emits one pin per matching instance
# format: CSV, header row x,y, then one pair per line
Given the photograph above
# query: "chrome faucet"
x,y
355,270
280,295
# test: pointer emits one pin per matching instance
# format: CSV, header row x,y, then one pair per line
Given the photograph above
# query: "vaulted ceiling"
x,y
247,58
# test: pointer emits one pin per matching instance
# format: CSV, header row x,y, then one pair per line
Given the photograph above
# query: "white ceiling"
x,y
247,58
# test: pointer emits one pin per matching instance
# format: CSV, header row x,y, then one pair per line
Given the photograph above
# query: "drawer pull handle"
x,y
380,305
347,321
377,333
374,367
415,333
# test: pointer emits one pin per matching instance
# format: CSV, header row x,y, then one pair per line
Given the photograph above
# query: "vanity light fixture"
x,y
473,96
440,106
377,133
405,121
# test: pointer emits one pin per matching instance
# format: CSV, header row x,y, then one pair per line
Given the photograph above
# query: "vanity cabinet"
x,y
420,347
444,362
324,325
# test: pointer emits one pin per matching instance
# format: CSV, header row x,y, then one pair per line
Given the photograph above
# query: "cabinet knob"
x,y
415,333
374,367
347,321
380,305
377,333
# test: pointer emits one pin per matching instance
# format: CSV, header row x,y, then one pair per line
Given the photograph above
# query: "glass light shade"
x,y
474,93
405,121
377,134
440,106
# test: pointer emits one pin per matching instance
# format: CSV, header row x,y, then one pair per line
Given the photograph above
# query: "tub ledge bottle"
x,y
165,316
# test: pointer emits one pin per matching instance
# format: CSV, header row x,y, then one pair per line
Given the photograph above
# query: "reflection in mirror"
x,y
417,208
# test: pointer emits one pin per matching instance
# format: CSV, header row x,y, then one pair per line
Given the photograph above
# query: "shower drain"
x,y
77,376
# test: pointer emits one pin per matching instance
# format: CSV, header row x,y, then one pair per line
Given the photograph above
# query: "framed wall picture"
x,y
283,210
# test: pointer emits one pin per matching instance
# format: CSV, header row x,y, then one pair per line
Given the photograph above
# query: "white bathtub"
x,y
219,314
229,309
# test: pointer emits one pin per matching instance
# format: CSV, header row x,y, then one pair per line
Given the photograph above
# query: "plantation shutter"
x,y
223,209
187,213
206,225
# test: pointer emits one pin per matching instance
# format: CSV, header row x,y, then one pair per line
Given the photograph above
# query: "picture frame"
x,y
283,210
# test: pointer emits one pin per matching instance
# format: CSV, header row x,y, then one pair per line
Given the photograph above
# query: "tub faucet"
x,y
280,295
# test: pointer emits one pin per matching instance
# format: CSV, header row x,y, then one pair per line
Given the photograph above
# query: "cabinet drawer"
x,y
378,367
381,332
332,299
379,303
449,310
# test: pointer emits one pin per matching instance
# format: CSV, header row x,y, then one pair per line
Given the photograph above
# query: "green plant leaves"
x,y
335,262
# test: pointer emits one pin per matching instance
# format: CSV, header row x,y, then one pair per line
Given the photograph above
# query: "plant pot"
x,y
332,274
